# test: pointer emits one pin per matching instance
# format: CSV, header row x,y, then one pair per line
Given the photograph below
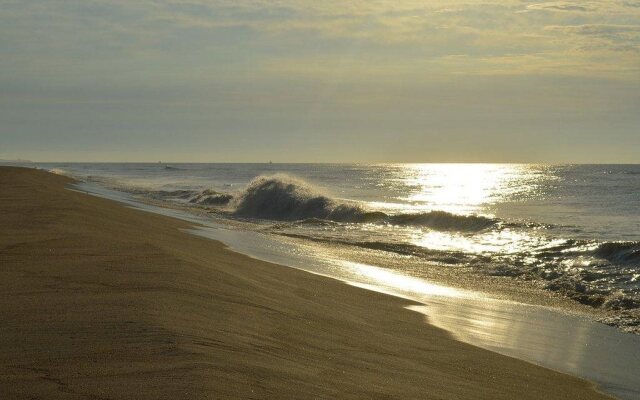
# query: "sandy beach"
x,y
102,301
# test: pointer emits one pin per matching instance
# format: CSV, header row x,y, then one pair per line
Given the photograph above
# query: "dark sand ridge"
x,y
100,301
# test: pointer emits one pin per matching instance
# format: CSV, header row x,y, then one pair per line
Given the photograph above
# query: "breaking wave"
x,y
281,197
284,198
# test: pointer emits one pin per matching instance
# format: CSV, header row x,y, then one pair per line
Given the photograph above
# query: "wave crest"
x,y
281,197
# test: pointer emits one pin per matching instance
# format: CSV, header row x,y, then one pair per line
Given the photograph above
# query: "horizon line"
x,y
18,161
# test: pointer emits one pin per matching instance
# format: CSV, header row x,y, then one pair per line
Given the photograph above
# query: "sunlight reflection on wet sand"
x,y
383,278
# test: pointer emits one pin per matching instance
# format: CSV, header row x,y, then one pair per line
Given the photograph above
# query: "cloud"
x,y
599,30
612,37
560,6
205,39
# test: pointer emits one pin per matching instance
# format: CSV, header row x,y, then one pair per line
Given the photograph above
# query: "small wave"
x,y
205,197
404,249
58,171
576,289
621,301
171,168
442,220
174,194
312,222
211,198
618,252
284,198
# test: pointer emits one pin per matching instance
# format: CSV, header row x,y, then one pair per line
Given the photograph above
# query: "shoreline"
x,y
561,289
534,292
104,300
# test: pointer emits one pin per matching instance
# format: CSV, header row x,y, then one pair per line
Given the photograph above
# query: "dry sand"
x,y
100,301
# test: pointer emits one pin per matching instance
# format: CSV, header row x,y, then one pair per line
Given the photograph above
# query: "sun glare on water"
x,y
463,188
468,189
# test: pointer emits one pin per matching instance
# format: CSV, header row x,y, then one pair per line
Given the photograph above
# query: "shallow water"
x,y
544,336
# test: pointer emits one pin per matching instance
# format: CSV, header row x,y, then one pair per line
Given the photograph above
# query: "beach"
x,y
103,301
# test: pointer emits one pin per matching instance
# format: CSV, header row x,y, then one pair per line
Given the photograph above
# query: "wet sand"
x,y
102,301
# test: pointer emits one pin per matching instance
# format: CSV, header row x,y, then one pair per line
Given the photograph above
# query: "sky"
x,y
320,81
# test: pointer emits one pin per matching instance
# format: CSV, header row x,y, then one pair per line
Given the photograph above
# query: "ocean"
x,y
570,230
